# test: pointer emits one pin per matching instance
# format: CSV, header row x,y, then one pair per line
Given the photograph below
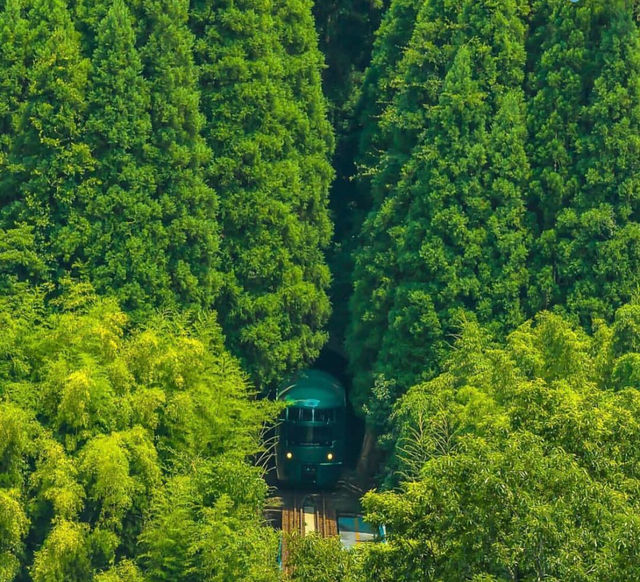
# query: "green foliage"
x,y
102,158
448,240
100,420
125,571
376,255
265,122
179,154
148,231
378,86
584,117
19,261
316,559
64,555
121,221
47,156
489,203
206,526
14,51
175,155
106,160
517,462
14,525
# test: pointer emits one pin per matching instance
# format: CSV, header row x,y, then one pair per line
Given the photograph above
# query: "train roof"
x,y
314,389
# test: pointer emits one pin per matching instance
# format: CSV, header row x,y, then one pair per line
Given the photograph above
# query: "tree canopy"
x,y
166,233
265,122
122,444
446,236
518,462
584,116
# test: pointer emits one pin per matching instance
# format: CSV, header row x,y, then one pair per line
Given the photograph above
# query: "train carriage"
x,y
311,434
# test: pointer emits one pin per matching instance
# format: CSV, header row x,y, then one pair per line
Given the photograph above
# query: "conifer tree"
x,y
48,159
125,238
270,171
448,241
179,153
585,122
556,88
145,229
15,43
411,49
412,87
378,86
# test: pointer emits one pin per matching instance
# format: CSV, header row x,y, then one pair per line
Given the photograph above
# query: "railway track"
x,y
309,513
305,514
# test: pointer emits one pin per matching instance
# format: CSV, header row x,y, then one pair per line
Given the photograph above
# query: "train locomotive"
x,y
311,434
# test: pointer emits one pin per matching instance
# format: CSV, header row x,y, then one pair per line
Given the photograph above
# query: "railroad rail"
x,y
305,514
326,519
310,513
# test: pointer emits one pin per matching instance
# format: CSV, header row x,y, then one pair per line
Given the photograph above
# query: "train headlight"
x,y
330,456
289,455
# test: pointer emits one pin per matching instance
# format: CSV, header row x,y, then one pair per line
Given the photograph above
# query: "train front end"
x,y
311,434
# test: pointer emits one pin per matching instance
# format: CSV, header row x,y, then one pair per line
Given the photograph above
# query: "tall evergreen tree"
x,y
126,206
15,45
411,88
271,173
125,237
584,128
413,42
47,157
179,153
556,95
378,87
448,240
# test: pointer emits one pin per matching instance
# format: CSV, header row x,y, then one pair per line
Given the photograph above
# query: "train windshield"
x,y
309,435
299,414
325,415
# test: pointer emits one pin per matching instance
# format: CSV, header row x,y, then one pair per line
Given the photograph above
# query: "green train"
x,y
311,434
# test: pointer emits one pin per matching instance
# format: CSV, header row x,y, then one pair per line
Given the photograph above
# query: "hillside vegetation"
x,y
188,190
493,327
164,175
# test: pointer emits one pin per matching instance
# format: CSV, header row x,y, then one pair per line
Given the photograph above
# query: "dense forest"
x,y
197,196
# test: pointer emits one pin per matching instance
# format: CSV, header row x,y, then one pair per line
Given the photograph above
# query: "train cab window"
x,y
319,415
298,414
324,415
